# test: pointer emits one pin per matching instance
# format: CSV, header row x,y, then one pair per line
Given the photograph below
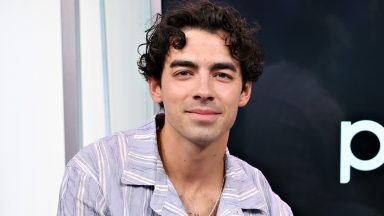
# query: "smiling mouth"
x,y
204,116
203,112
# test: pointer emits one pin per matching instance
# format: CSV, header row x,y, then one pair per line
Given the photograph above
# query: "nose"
x,y
204,92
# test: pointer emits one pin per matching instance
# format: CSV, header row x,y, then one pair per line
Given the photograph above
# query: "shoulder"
x,y
88,176
107,156
93,177
104,155
250,171
275,205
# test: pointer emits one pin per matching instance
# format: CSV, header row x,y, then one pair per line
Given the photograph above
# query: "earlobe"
x,y
245,94
154,90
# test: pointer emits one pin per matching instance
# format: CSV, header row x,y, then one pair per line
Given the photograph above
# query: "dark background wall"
x,y
324,65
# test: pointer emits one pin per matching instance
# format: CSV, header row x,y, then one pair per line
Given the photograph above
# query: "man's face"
x,y
201,89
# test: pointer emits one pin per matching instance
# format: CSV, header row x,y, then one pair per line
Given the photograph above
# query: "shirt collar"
x,y
241,190
142,160
144,167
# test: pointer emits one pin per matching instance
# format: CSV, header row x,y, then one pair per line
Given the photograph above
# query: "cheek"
x,y
231,98
171,98
231,104
231,115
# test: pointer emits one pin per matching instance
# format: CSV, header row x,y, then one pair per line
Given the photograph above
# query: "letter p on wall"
x,y
348,159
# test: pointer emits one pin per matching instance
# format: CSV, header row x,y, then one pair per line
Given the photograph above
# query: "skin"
x,y
201,88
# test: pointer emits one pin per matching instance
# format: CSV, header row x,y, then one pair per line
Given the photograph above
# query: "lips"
x,y
203,112
203,115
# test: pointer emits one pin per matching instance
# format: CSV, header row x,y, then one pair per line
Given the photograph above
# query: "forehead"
x,y
203,47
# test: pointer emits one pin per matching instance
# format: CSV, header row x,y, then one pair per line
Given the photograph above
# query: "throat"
x,y
197,176
203,203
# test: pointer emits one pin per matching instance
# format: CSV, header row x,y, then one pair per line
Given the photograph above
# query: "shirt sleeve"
x,y
80,195
281,207
276,206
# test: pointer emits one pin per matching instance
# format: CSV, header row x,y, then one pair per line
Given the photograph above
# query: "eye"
x,y
182,73
223,75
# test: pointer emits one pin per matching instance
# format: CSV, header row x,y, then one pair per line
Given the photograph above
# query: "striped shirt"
x,y
124,175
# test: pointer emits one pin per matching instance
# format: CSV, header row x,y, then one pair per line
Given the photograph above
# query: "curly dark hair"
x,y
166,32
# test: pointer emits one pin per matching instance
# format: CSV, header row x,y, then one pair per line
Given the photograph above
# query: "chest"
x,y
146,200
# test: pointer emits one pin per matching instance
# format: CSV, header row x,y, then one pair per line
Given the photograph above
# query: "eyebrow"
x,y
183,63
223,65
215,66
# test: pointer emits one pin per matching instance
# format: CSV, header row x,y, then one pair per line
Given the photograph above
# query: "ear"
x,y
245,94
154,90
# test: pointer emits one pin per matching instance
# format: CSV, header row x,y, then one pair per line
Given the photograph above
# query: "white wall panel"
x,y
94,93
130,103
114,95
31,107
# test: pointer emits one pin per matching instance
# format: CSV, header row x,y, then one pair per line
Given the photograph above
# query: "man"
x,y
200,61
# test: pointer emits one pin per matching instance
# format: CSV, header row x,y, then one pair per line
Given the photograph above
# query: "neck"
x,y
189,165
196,171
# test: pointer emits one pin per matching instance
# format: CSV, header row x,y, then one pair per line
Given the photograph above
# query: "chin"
x,y
204,139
